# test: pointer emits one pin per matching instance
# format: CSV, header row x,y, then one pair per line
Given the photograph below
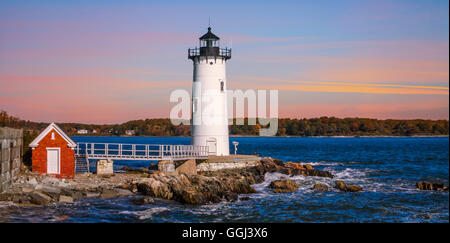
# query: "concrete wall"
x,y
10,156
215,166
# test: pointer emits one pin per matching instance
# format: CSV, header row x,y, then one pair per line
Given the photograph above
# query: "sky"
x,y
106,62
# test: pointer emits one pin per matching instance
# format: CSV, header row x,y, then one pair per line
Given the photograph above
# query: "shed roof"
x,y
44,133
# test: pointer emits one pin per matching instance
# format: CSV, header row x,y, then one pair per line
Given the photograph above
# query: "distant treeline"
x,y
323,126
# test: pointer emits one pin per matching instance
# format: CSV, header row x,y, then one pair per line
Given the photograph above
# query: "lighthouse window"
x,y
221,86
194,106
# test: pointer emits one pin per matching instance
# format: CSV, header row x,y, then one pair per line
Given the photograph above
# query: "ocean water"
x,y
386,167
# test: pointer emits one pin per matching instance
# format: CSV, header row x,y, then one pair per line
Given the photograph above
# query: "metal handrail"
x,y
140,151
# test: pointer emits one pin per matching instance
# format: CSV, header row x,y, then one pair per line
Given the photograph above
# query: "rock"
x,y
126,186
142,200
353,188
194,189
278,162
39,198
347,188
153,166
123,192
20,199
340,185
77,195
166,166
320,187
291,168
189,167
280,186
92,194
32,181
308,167
109,193
50,180
5,197
105,167
244,198
48,189
431,186
27,189
293,165
65,199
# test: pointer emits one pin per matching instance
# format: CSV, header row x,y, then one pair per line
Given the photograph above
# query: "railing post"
x,y
106,150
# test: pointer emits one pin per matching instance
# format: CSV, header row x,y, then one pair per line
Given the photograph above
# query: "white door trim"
x,y
59,159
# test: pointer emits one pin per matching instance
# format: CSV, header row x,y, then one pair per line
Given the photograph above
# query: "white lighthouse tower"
x,y
209,125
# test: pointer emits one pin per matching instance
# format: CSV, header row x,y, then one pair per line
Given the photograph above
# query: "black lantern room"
x,y
209,47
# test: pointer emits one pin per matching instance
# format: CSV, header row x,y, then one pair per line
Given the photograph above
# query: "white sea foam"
x,y
148,213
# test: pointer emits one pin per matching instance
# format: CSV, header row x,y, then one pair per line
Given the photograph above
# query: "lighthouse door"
x,y
212,144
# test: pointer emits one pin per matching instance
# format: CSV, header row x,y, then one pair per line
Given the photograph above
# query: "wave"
x,y
148,213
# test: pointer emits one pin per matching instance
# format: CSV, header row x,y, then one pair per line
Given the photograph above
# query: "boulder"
x,y
308,167
293,165
27,189
320,187
105,167
20,199
65,199
49,190
106,193
5,197
92,194
278,162
194,189
340,185
123,192
76,195
353,188
142,200
291,168
347,188
188,167
280,186
32,181
126,186
431,186
39,198
166,166
244,198
50,180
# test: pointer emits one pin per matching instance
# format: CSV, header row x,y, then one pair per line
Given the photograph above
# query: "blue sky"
x,y
381,59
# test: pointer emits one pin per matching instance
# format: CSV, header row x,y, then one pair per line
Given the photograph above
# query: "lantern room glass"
x,y
209,43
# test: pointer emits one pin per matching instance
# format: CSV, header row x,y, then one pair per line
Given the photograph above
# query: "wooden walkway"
x,y
120,151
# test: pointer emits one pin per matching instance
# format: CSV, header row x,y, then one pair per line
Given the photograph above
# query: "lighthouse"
x,y
209,124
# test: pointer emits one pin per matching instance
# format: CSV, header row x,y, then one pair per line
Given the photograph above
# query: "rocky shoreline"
x,y
205,187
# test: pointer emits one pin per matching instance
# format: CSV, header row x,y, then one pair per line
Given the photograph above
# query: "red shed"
x,y
53,153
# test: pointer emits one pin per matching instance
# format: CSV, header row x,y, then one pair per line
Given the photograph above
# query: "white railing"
x,y
140,151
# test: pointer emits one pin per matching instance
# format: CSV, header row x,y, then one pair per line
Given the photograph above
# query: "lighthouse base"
x,y
218,145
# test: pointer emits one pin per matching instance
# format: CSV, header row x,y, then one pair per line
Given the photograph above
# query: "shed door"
x,y
53,158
